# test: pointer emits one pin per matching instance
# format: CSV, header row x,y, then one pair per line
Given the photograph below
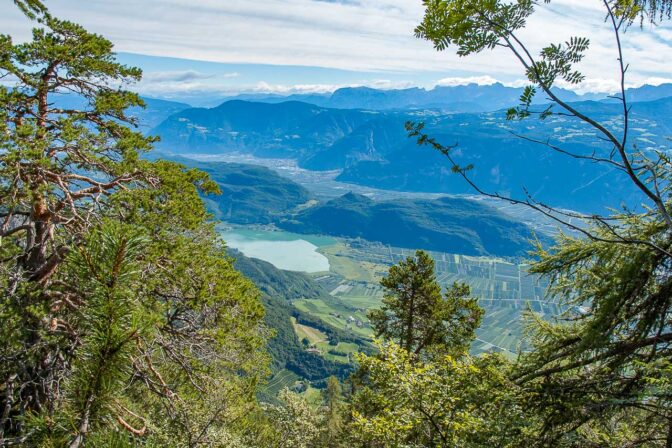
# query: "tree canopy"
x,y
597,376
416,316
122,318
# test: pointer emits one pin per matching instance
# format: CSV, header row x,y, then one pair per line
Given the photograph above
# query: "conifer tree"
x,y
598,377
417,317
113,335
334,412
105,269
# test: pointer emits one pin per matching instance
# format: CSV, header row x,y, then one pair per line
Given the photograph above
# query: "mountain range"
x,y
462,98
372,148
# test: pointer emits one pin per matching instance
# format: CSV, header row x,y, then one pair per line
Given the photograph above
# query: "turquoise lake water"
x,y
284,250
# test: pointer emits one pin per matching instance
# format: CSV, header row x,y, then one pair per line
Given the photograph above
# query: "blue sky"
x,y
216,48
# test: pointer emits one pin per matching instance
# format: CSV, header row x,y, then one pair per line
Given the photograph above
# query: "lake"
x,y
284,250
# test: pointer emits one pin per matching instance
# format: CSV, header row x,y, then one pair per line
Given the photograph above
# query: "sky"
x,y
196,48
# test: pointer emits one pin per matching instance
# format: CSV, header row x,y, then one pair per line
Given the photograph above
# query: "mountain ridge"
x,y
372,148
446,224
458,98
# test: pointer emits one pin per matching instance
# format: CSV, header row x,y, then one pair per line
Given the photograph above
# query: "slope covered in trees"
x,y
278,289
251,194
125,324
445,224
258,195
122,319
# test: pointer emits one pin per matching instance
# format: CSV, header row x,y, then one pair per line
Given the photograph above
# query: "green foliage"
x,y
59,165
296,424
446,402
600,368
113,334
646,10
287,352
598,377
31,8
416,316
104,269
334,413
472,26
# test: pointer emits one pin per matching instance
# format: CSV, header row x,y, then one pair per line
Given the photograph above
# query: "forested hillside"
x,y
258,195
251,194
278,289
122,318
446,224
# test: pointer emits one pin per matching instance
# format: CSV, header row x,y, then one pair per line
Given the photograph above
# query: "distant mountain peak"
x,y
355,197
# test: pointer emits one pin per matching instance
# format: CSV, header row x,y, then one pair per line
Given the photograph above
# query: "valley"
x,y
505,289
336,224
318,248
372,148
323,201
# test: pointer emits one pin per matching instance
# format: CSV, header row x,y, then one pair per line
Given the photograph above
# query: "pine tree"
x,y
60,163
334,413
599,376
113,334
417,317
104,270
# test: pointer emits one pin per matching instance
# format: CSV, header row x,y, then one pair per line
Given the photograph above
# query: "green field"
x,y
348,348
282,379
359,302
334,312
344,265
313,396
505,290
313,335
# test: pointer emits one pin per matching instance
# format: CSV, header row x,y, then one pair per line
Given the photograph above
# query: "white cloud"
x,y
663,33
611,86
364,35
265,87
484,80
183,75
197,87
382,84
385,84
654,81
596,85
517,83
